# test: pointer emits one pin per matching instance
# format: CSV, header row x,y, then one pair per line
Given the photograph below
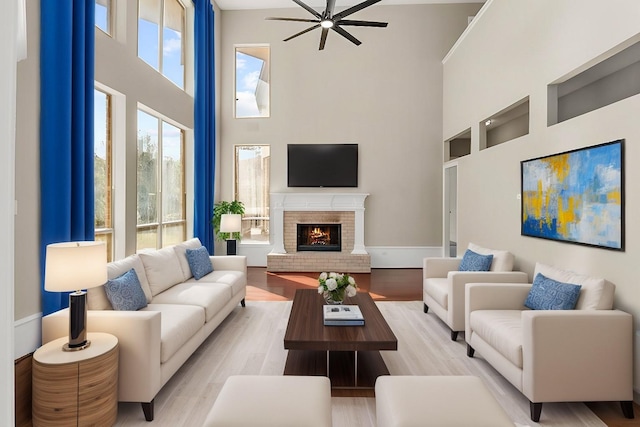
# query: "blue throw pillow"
x,y
472,261
548,294
125,292
199,262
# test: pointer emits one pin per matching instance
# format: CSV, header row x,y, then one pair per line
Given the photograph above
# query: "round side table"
x,y
76,388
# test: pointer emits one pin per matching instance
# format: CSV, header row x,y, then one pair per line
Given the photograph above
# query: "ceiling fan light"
x,y
327,23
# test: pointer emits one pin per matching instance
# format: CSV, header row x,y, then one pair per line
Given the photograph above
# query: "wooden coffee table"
x,y
348,355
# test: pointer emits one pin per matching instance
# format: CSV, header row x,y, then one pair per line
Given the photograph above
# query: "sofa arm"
x,y
577,355
439,267
229,262
138,334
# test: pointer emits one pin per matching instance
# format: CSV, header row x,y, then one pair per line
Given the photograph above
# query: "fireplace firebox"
x,y
319,237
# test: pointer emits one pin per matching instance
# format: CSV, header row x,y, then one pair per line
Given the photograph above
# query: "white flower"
x,y
351,291
352,281
332,275
323,276
320,289
331,284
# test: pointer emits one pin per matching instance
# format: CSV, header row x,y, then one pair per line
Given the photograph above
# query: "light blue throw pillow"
x,y
125,292
549,294
472,261
199,262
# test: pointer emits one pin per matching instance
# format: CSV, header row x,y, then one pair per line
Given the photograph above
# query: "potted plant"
x,y
221,208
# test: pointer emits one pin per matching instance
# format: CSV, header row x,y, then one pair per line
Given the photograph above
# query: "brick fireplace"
x,y
289,210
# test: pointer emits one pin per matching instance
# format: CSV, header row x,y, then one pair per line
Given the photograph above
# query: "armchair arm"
x,y
439,267
138,334
577,355
232,262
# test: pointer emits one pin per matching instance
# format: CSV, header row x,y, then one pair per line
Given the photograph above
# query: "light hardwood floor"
x,y
249,341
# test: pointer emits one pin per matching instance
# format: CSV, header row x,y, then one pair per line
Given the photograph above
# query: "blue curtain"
x,y
204,124
66,128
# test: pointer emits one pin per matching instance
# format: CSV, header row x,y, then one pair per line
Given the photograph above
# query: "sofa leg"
x,y
536,410
426,308
470,351
242,303
454,335
627,408
147,408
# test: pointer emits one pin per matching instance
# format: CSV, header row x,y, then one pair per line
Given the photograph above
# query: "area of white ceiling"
x,y
320,4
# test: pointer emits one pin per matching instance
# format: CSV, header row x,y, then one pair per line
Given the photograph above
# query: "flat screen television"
x,y
322,165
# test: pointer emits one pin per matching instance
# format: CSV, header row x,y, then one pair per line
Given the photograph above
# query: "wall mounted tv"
x,y
322,165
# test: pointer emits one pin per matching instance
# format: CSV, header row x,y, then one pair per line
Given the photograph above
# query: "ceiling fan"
x,y
328,21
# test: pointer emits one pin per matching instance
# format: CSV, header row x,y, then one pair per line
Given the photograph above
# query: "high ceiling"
x,y
320,4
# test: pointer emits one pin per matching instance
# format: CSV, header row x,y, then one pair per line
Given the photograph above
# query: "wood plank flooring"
x,y
250,341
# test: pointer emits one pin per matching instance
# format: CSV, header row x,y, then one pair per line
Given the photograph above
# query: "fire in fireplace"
x,y
319,237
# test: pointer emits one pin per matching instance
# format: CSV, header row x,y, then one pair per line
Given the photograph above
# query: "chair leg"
x,y
627,409
242,302
454,335
536,410
426,308
147,408
470,351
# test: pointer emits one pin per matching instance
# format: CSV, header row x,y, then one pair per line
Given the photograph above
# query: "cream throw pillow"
x,y
162,268
502,260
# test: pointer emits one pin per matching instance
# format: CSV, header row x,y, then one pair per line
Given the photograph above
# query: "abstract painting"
x,y
576,196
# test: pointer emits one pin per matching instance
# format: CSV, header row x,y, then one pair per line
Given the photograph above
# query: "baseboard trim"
x,y
27,335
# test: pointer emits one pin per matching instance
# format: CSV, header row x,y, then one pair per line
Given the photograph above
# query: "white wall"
x,y
515,49
385,95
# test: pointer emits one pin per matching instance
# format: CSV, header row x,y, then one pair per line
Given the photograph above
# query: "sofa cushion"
x,y
236,280
179,323
180,250
125,292
502,330
199,262
595,294
97,297
210,296
438,289
162,269
473,261
549,294
502,260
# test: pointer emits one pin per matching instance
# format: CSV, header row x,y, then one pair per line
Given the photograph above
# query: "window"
x,y
161,25
103,15
161,183
252,81
252,170
103,167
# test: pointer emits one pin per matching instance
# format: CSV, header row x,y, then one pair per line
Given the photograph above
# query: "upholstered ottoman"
x,y
443,401
272,401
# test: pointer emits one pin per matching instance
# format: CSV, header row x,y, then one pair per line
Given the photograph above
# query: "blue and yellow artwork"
x,y
576,197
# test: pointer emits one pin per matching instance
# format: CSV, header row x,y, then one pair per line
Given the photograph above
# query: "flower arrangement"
x,y
334,286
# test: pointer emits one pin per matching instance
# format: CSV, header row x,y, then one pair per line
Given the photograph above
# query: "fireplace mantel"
x,y
281,202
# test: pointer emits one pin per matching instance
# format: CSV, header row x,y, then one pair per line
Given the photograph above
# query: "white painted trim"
x,y
28,335
468,29
401,257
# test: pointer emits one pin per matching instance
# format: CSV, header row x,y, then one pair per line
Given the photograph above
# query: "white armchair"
x,y
443,285
579,355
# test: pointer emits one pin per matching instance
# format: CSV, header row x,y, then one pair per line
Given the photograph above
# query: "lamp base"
x,y
77,322
231,247
67,347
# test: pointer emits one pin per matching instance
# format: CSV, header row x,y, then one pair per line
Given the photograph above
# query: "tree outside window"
x,y
252,171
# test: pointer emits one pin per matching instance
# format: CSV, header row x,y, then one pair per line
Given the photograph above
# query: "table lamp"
x,y
74,266
231,223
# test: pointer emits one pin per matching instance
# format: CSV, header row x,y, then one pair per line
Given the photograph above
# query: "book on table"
x,y
342,315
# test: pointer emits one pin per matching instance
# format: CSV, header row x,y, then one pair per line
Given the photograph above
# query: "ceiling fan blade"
x,y
308,8
313,27
323,38
354,9
346,35
362,23
271,18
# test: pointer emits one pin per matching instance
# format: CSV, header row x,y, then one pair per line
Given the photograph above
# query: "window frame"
x,y
235,78
108,230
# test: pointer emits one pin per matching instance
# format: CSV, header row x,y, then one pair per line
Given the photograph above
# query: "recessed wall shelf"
x,y
508,124
458,146
607,81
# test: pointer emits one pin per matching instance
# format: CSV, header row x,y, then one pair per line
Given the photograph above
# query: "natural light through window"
x,y
103,167
252,170
252,81
103,15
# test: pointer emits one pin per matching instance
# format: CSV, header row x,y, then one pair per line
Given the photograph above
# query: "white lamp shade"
x,y
71,266
230,223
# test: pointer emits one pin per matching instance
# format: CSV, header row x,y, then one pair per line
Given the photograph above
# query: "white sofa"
x,y
579,355
181,313
443,285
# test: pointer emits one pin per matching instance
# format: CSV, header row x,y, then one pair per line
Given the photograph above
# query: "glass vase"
x,y
333,297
